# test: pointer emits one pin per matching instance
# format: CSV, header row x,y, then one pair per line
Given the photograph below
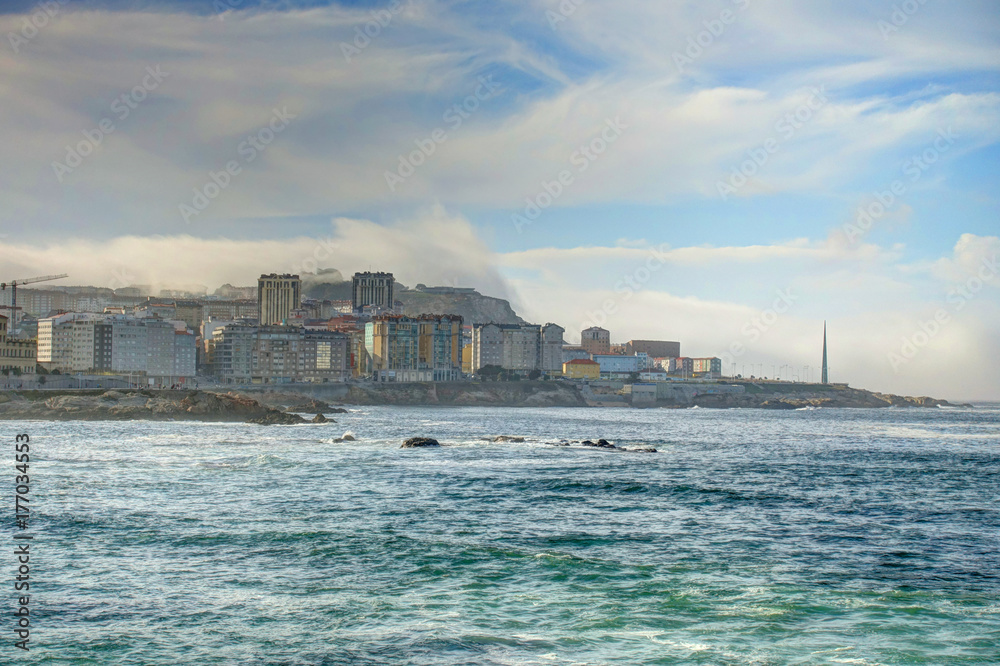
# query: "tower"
x,y
376,289
277,296
825,378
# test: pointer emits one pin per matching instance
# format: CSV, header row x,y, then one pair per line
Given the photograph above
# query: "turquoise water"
x,y
753,537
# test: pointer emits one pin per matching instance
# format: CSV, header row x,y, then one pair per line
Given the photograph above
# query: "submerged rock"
x,y
348,437
508,438
647,450
419,442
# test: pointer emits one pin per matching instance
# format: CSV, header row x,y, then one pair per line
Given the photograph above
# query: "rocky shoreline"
x,y
149,405
837,397
284,406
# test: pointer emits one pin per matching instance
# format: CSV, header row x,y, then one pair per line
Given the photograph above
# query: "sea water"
x,y
752,537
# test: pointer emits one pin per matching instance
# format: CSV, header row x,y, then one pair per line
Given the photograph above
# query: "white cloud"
x,y
355,119
435,248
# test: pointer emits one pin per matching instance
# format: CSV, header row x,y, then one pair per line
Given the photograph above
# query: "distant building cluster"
x,y
271,334
162,350
647,360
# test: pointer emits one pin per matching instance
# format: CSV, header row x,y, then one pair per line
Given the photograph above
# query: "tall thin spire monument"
x,y
826,377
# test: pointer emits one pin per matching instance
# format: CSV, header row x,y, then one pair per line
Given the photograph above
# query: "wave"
x,y
247,462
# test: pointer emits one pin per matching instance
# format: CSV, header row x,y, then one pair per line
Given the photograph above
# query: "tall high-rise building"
x,y
826,377
596,340
373,289
277,296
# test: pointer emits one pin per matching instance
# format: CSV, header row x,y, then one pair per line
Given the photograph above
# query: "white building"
x,y
615,364
62,339
162,351
551,348
487,346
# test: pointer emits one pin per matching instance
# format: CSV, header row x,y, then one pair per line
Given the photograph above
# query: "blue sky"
x,y
844,94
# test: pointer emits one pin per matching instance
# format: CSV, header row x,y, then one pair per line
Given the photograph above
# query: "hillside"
x,y
473,307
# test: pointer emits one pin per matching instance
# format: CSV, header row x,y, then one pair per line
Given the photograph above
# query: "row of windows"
x,y
17,353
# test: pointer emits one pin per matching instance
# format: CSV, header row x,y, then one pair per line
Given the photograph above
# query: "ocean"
x,y
821,536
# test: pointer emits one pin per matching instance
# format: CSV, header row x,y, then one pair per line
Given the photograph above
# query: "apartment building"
x,y
373,290
519,347
286,354
277,296
241,354
616,364
596,340
229,352
707,366
163,351
654,348
57,337
414,349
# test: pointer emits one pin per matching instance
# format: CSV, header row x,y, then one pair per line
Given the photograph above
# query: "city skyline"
x,y
732,173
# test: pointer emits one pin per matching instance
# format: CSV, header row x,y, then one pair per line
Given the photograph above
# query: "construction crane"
x,y
14,284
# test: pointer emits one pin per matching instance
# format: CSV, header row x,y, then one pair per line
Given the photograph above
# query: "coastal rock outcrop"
x,y
419,442
143,404
277,418
319,418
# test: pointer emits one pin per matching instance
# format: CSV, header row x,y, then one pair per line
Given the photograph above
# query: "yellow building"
x,y
581,368
467,359
16,356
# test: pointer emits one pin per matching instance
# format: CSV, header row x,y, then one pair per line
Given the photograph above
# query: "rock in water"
x,y
348,437
508,438
419,442
319,418
274,417
601,444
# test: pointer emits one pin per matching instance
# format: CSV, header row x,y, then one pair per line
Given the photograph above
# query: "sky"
x,y
729,174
